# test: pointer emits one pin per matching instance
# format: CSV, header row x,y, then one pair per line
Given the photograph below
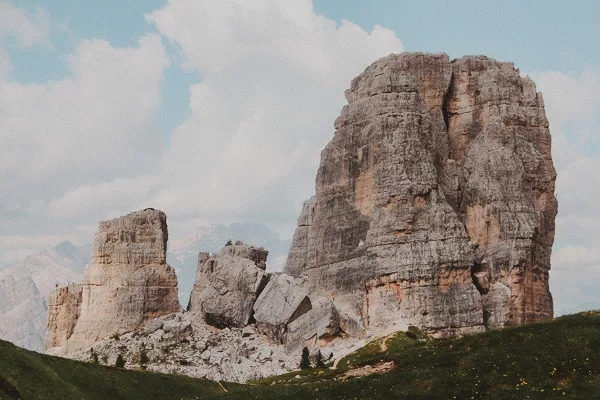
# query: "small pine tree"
x,y
143,357
319,363
304,362
93,356
229,243
120,362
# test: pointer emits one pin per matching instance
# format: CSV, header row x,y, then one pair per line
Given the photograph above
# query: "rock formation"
x,y
283,301
127,283
64,308
434,201
241,324
434,207
316,328
180,343
228,284
183,253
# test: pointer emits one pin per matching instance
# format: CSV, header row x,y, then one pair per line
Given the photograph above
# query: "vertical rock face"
x,y
128,281
64,307
227,285
434,201
298,254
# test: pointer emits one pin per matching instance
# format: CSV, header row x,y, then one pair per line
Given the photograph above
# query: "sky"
x,y
216,112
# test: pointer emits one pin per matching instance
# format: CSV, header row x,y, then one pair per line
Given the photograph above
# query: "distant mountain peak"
x,y
66,247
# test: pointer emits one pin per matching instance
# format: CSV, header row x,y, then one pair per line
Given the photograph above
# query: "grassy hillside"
x,y
28,375
558,359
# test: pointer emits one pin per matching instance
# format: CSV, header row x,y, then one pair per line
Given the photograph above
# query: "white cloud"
x,y
104,200
30,30
273,77
576,257
569,97
5,64
85,145
572,107
92,127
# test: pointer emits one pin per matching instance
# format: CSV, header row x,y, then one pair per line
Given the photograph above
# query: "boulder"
x,y
314,328
227,285
281,302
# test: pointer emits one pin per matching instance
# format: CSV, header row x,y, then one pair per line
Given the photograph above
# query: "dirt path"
x,y
379,368
383,346
384,335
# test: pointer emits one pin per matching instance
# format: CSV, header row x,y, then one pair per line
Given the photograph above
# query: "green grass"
x,y
552,360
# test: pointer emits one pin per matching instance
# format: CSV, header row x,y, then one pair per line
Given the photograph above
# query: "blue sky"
x,y
535,35
216,111
120,23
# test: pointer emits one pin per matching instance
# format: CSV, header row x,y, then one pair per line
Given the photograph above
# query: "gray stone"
x,y
281,302
248,331
314,328
200,345
153,326
228,284
176,326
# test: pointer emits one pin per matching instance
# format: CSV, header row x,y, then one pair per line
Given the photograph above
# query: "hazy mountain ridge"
x,y
24,287
22,312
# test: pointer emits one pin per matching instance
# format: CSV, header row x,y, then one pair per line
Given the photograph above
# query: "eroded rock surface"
x,y
281,302
64,308
434,201
314,329
128,281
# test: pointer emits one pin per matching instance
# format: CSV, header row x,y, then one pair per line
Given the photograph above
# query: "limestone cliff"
x,y
127,283
434,201
64,308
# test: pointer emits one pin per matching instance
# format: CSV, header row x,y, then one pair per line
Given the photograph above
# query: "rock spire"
x,y
434,201
127,283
